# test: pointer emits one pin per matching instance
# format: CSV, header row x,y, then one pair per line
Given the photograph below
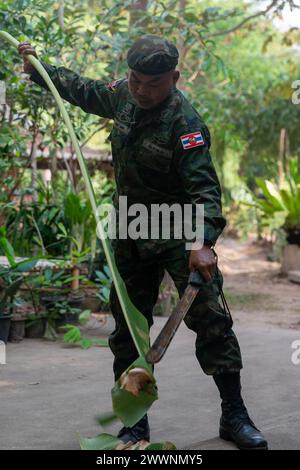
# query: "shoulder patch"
x,y
194,139
113,85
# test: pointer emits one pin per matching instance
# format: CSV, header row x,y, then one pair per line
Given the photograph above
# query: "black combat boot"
x,y
137,432
235,424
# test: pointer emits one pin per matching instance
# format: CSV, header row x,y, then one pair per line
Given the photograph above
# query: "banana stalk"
x,y
140,337
137,323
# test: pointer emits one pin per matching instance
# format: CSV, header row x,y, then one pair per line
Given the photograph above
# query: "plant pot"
x,y
5,321
293,236
17,329
93,303
49,300
291,258
35,328
76,298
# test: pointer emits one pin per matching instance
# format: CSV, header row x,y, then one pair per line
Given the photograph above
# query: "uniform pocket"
x,y
119,135
154,157
208,319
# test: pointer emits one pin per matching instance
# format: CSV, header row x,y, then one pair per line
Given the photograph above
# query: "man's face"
x,y
150,90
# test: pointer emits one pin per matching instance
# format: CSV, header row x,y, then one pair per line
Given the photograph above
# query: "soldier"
x,y
160,149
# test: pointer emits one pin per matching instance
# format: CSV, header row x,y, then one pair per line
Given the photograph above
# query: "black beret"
x,y
152,55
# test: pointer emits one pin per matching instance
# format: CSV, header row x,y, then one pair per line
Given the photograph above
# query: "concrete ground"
x,y
50,393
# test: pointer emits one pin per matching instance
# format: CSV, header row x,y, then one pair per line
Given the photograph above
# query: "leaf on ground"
x,y
101,442
106,418
161,446
85,343
109,442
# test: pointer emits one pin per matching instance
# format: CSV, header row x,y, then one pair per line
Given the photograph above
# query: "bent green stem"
x,y
136,322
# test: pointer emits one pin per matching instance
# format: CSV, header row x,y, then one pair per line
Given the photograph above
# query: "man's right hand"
x,y
25,48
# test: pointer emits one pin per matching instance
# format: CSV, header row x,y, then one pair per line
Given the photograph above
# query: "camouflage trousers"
x,y
217,348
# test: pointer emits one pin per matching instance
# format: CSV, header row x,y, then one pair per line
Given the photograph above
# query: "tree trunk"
x,y
181,48
61,9
136,11
282,155
34,170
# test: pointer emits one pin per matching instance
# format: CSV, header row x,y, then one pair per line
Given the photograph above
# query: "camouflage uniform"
x,y
151,166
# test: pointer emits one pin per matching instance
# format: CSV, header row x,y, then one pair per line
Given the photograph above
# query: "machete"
x,y
161,344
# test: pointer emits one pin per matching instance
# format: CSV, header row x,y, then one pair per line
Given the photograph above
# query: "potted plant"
x,y
9,285
63,313
78,233
103,280
35,325
11,278
17,325
280,207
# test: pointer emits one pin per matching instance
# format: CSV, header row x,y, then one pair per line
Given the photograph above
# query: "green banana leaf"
x,y
271,194
102,442
128,407
137,323
7,248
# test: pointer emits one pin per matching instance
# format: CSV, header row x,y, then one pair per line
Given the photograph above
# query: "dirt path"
x,y
255,289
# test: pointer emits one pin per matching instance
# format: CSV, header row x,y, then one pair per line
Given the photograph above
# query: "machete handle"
x,y
196,279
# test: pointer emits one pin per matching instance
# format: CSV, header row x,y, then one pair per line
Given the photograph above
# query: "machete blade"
x,y
160,345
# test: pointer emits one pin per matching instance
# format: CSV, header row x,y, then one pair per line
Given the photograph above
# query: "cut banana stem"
x,y
135,380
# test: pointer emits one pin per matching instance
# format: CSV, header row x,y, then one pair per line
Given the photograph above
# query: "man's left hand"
x,y
203,260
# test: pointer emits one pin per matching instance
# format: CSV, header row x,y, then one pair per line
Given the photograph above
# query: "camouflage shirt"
x,y
152,163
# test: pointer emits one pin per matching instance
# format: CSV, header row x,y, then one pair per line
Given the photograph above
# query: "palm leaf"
x,y
271,194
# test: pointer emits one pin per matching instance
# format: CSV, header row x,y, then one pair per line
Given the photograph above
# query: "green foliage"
x,y
11,277
283,199
7,247
52,278
54,229
239,81
39,23
102,442
80,226
39,222
106,419
238,110
131,408
74,335
104,279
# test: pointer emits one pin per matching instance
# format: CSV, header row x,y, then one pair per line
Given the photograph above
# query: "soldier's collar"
x,y
163,112
168,107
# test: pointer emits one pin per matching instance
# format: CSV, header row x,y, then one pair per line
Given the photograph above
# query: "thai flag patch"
x,y
192,140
